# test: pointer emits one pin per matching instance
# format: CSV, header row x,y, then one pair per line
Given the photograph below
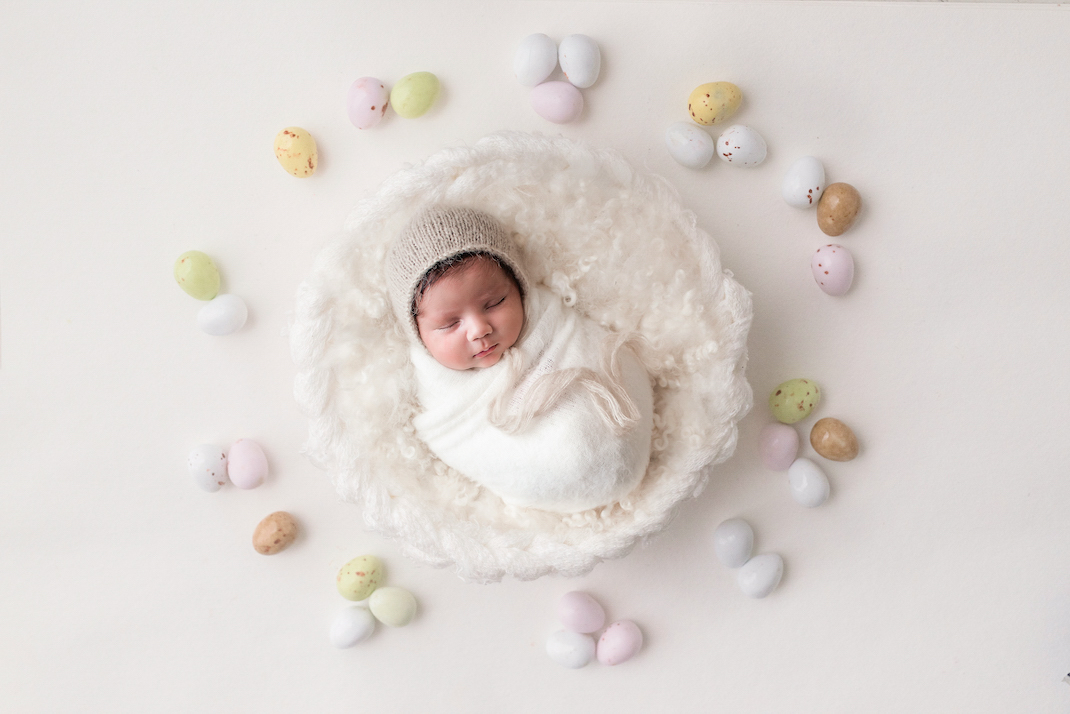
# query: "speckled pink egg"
x,y
778,445
247,465
367,102
559,102
580,612
619,643
834,268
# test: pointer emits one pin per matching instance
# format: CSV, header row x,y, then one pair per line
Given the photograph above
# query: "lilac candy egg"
x,y
247,465
619,643
778,445
580,612
834,268
367,102
559,102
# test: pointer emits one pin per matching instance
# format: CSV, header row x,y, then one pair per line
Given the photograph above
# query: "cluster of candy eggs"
x,y
198,276
838,206
709,104
582,616
733,542
412,96
536,59
360,580
211,467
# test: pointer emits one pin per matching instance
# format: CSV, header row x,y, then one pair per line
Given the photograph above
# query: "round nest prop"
x,y
612,242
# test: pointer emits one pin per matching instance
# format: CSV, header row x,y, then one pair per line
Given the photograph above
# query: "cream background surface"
x,y
934,579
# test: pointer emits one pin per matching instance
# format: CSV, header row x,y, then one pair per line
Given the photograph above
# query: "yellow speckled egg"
x,y
414,94
714,102
296,151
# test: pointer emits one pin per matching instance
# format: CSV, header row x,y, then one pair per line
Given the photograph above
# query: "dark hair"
x,y
453,264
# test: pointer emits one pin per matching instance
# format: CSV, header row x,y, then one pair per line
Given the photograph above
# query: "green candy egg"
x,y
360,577
197,275
393,606
414,94
794,400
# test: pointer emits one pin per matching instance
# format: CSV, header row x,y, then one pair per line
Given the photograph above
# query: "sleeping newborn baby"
x,y
520,393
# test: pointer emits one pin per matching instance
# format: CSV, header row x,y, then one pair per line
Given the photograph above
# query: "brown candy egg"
x,y
274,533
838,208
834,440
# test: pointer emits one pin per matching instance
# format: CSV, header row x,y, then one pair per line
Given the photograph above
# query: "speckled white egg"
x,y
580,612
620,642
208,466
809,485
222,315
760,575
535,59
559,102
580,60
733,541
740,145
778,445
570,649
834,269
351,625
690,145
804,183
247,464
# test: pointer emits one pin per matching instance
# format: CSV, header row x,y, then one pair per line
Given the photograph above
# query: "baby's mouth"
x,y
486,352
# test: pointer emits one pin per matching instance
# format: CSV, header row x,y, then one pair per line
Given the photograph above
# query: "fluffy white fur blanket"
x,y
613,243
566,460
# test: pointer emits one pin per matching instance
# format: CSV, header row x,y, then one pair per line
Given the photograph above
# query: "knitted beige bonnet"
x,y
437,234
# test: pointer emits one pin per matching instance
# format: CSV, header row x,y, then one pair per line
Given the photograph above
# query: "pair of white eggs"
x,y
536,59
246,465
733,542
692,147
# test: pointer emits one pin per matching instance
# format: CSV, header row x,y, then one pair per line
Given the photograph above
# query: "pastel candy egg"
x,y
392,606
834,440
197,275
803,183
838,208
580,612
351,625
247,465
359,578
733,541
275,533
224,315
296,151
535,59
794,400
760,575
808,483
834,269
778,445
207,465
414,94
367,102
570,649
559,102
740,145
690,146
580,60
619,643
714,102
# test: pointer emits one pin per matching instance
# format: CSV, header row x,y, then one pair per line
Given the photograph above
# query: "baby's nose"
x,y
479,327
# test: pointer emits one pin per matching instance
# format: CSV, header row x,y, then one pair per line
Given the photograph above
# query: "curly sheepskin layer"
x,y
614,243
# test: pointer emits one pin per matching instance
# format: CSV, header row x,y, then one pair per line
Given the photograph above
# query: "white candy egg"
x,y
223,315
690,145
570,649
809,485
535,59
208,466
740,145
733,541
580,60
804,183
351,625
760,575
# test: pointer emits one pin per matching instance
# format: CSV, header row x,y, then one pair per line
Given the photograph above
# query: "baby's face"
x,y
469,317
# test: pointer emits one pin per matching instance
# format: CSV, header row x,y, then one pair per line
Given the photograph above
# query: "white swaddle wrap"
x,y
569,458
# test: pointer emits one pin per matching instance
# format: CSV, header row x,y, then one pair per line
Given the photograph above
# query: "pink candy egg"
x,y
834,269
580,612
619,643
367,102
559,102
778,445
247,465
